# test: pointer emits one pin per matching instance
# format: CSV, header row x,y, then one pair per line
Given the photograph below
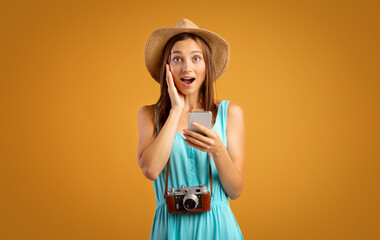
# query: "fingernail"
x,y
185,130
195,124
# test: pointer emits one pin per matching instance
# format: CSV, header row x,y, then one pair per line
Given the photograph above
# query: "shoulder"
x,y
235,114
235,128
146,111
234,109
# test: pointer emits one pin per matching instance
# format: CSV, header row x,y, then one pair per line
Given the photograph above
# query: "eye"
x,y
196,59
177,59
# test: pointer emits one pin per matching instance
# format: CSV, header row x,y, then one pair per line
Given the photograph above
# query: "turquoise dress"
x,y
189,167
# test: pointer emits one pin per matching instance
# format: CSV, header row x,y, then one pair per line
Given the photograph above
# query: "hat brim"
x,y
154,47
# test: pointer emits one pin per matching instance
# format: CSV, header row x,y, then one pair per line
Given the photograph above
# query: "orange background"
x,y
72,79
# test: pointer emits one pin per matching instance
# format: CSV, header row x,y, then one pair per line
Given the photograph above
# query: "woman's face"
x,y
187,66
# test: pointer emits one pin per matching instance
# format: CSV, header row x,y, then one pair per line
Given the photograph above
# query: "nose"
x,y
186,67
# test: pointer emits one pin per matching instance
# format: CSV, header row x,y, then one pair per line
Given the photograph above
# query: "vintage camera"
x,y
188,199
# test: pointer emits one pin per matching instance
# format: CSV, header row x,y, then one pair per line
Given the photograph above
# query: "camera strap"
x,y
167,175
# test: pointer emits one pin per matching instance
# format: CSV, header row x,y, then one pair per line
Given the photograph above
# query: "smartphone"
x,y
202,117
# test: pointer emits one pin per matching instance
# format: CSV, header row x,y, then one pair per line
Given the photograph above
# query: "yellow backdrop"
x,y
72,80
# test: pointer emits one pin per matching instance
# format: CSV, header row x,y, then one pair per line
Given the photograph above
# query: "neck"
x,y
192,103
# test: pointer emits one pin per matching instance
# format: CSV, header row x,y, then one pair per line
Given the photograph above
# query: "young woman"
x,y
186,61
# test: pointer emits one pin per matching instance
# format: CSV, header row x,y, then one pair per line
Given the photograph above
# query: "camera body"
x,y
188,199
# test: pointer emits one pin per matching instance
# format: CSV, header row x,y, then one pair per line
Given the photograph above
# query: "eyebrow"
x,y
191,52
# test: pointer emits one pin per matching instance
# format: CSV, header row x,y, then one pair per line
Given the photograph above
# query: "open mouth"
x,y
187,81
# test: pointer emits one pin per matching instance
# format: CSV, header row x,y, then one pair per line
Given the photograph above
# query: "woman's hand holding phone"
x,y
209,141
177,99
200,135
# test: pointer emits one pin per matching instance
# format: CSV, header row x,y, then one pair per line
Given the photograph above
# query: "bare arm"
x,y
153,153
229,161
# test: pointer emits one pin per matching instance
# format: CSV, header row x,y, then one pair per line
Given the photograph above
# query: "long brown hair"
x,y
206,91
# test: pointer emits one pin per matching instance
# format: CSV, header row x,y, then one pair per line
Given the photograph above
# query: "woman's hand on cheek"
x,y
176,97
210,143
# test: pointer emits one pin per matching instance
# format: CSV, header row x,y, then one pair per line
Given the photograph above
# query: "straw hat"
x,y
154,47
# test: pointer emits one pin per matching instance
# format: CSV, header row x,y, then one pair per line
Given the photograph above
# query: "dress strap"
x,y
156,118
224,108
223,114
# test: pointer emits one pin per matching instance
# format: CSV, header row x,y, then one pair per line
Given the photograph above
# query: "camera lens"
x,y
190,202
